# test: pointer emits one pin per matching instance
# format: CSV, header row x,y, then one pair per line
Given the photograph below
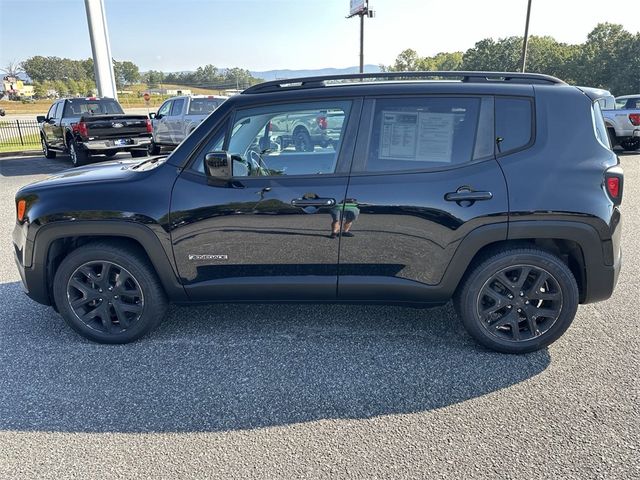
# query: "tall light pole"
x,y
100,48
361,9
523,59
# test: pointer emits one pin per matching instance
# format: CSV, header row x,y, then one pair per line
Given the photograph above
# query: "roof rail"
x,y
467,77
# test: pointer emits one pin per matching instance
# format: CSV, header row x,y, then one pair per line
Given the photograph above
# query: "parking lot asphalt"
x,y
316,391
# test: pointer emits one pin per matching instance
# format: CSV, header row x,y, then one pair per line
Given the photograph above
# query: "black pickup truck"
x,y
89,126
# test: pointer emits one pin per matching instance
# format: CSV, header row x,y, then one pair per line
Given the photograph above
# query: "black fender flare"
x,y
161,259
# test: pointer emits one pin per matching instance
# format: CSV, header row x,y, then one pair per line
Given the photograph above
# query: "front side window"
x,y
422,133
294,139
52,111
176,109
165,109
514,123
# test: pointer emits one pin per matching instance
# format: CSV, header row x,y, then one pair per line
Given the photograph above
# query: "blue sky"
x,y
276,34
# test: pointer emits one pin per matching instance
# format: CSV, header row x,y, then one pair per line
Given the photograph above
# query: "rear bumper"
x,y
636,132
109,144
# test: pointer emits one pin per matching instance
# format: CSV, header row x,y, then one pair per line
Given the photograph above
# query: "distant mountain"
x,y
286,73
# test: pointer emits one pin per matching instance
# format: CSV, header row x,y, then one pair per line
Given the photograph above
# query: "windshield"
x,y
80,106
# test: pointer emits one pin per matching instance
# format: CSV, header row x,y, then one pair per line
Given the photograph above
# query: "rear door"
x,y
424,176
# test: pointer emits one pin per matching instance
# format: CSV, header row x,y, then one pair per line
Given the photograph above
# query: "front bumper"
x,y
110,144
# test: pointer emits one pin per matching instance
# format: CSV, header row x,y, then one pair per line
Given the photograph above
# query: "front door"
x,y
161,131
266,234
424,176
174,121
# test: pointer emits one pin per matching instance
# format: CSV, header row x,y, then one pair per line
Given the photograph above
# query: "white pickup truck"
x,y
622,117
178,117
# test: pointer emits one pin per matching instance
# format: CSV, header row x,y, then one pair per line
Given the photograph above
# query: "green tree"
x,y
126,73
153,78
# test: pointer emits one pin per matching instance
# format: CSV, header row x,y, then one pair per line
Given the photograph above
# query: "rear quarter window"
x,y
514,124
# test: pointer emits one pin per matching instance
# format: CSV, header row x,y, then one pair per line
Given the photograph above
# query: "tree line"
x,y
76,77
609,59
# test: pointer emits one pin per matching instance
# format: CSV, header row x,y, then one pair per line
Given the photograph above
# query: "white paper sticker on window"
x,y
398,135
435,139
417,136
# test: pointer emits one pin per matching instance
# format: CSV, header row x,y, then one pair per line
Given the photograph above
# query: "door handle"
x,y
467,196
313,202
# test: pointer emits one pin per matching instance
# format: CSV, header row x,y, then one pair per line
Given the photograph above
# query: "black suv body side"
x,y
408,231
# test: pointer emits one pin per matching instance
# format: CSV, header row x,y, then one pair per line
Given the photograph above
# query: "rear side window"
x,y
598,125
422,133
514,124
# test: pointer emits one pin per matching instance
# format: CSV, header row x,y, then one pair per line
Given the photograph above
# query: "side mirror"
x,y
217,166
157,116
152,115
41,118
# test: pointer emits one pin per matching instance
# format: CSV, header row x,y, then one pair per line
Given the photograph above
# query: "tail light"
x,y
634,118
81,129
613,182
322,122
21,209
149,126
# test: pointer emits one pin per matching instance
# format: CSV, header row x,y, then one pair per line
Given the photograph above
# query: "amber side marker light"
x,y
22,208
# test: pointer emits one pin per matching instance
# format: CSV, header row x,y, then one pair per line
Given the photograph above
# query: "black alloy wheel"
x,y
517,300
105,296
519,303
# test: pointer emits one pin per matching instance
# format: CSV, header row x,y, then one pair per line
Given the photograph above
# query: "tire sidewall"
x,y
153,307
475,282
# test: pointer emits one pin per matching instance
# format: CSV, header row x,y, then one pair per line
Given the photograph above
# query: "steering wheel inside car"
x,y
257,162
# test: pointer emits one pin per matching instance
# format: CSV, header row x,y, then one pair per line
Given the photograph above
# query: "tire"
x,y
631,145
302,141
78,156
153,149
45,149
138,153
512,325
130,310
110,153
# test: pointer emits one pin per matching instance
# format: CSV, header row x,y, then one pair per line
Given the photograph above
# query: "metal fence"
x,y
19,133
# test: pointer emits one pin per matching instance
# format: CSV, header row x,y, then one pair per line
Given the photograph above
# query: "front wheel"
x,y
109,293
518,301
46,151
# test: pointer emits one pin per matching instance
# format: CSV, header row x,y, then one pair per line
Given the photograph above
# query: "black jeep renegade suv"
x,y
498,190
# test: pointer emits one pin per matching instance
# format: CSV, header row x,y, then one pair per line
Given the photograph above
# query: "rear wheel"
x,y
45,149
631,144
518,301
153,149
78,156
302,141
108,293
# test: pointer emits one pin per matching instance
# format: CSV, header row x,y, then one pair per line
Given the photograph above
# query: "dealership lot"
x,y
238,391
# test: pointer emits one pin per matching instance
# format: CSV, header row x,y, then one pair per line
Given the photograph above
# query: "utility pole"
x,y
523,59
361,9
101,48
